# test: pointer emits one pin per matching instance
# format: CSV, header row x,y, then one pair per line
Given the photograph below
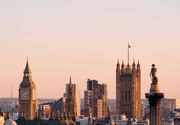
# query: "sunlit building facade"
x,y
128,90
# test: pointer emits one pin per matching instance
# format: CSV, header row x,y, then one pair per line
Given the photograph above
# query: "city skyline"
x,y
85,39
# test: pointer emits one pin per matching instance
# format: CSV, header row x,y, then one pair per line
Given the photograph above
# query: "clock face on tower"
x,y
24,94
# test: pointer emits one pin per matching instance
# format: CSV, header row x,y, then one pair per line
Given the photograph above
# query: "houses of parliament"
x,y
27,95
128,90
128,93
27,98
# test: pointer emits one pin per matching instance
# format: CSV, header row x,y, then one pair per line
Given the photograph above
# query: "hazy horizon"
x,y
85,39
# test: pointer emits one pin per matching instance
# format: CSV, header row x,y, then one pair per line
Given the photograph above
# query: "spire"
x,y
70,87
27,78
70,80
27,69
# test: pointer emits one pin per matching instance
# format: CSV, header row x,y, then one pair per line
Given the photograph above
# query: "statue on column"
x,y
153,74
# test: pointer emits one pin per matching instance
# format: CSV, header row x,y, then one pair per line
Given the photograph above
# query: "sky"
x,y
84,40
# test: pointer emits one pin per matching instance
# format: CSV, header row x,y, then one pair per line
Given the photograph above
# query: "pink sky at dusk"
x,y
84,39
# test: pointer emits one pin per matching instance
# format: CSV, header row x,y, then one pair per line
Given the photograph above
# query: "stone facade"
x,y
59,106
27,95
155,103
45,122
70,104
76,93
128,90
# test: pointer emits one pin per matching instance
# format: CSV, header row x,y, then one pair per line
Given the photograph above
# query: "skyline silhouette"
x,y
85,39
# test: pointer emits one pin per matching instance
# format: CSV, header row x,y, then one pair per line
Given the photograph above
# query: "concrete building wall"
x,y
177,103
97,91
87,97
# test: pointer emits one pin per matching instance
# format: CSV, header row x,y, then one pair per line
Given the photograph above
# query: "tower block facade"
x,y
128,90
27,95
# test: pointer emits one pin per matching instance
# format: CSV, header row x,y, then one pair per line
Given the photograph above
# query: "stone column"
x,y
154,102
154,97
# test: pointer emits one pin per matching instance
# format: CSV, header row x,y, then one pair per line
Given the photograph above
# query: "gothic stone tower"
x,y
70,105
27,95
128,90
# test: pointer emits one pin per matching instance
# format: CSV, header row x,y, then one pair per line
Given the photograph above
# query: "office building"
x,y
96,91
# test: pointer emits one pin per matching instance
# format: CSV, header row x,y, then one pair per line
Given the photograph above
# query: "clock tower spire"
x,y
27,90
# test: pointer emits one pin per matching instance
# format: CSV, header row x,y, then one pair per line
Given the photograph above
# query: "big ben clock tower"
x,y
27,95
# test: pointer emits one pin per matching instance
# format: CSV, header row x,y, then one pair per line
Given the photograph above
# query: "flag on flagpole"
x,y
129,46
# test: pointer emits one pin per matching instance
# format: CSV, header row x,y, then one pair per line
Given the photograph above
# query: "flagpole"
x,y
128,53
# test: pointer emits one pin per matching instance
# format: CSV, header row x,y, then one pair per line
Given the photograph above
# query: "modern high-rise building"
x,y
99,108
70,104
27,95
88,94
95,92
128,90
92,85
103,94
76,93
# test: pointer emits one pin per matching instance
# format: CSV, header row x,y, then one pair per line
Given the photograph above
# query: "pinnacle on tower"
x,y
134,65
118,65
138,65
27,69
122,65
